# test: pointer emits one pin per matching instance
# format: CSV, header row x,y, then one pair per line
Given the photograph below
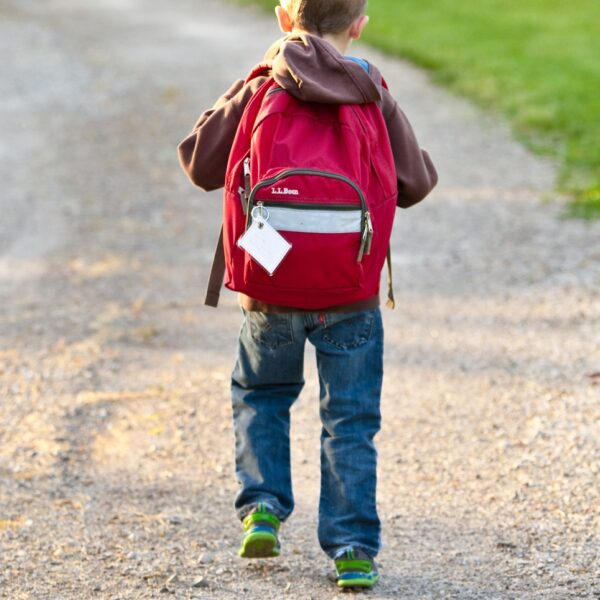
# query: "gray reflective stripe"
x,y
314,221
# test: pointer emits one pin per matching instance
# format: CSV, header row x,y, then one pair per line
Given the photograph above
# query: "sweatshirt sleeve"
x,y
415,171
204,153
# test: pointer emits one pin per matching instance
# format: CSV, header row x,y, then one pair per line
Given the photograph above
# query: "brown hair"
x,y
324,16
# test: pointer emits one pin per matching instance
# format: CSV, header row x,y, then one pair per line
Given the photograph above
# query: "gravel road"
x,y
116,448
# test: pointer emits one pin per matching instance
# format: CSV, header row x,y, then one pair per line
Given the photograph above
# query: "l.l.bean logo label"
x,y
284,191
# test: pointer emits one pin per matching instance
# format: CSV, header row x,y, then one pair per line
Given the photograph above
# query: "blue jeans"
x,y
268,378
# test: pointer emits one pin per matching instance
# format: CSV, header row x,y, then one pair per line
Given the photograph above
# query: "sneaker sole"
x,y
259,545
357,582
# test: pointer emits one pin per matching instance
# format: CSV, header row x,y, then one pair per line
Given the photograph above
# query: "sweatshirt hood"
x,y
313,70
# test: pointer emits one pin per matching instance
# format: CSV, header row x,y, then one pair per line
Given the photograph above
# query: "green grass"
x,y
535,61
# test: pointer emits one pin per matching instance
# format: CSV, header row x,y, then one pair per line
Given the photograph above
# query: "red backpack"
x,y
323,176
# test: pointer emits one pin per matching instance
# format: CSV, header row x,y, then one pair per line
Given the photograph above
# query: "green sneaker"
x,y
355,569
260,534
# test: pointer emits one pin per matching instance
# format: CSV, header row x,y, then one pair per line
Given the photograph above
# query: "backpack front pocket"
x,y
325,218
317,260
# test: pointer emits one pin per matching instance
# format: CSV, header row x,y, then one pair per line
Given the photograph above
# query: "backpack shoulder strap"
x,y
217,271
260,70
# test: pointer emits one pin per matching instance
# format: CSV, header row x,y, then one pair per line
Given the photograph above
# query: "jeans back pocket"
x,y
270,330
348,330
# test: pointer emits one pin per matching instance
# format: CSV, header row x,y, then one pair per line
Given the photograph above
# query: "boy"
x,y
309,64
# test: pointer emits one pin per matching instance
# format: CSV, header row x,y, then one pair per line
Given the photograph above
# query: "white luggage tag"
x,y
262,242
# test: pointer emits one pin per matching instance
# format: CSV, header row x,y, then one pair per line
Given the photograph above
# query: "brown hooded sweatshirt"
x,y
311,69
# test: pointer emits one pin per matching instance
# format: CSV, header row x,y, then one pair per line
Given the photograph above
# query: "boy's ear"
x,y
357,27
283,18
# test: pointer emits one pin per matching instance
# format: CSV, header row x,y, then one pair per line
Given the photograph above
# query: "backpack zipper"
x,y
366,226
306,205
275,90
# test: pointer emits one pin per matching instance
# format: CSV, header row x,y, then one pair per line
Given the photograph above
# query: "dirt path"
x,y
115,437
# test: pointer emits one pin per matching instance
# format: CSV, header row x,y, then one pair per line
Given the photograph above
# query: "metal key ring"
x,y
260,213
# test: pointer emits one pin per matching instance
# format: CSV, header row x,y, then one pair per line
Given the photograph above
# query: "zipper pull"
x,y
367,237
247,184
369,232
363,245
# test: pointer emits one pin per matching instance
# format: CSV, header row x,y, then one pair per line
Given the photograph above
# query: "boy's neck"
x,y
340,42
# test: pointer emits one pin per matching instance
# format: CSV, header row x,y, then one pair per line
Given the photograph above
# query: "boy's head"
x,y
323,17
